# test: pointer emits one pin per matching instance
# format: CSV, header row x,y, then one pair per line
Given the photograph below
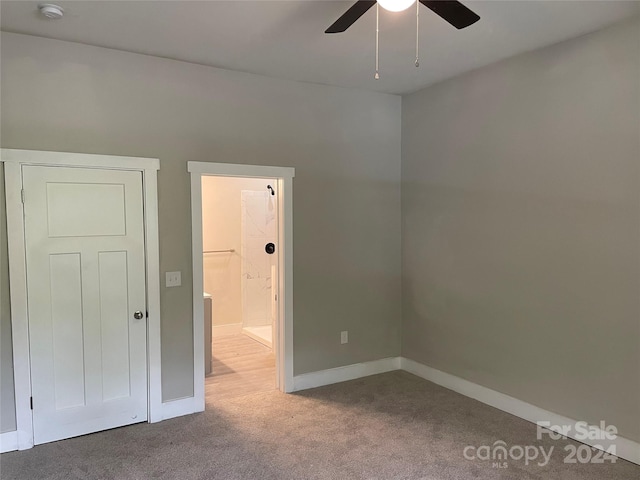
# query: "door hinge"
x,y
31,402
22,195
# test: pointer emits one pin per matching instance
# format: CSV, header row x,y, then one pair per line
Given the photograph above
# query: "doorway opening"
x,y
242,236
240,272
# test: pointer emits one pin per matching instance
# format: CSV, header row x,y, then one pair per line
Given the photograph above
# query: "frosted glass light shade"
x,y
395,5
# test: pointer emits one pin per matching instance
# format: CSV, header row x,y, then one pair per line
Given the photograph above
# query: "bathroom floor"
x,y
241,366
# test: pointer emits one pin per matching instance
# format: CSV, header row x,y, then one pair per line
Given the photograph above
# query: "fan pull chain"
x,y
417,33
377,75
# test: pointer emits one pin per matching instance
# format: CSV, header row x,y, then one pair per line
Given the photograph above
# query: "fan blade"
x,y
350,16
453,12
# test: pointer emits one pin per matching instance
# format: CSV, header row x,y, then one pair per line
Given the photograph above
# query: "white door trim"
x,y
13,161
284,342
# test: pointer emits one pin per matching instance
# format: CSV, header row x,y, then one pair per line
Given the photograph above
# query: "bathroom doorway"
x,y
242,261
240,271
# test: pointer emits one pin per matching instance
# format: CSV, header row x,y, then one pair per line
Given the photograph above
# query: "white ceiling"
x,y
285,39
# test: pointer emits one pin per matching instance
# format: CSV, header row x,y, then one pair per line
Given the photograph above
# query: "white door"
x,y
84,235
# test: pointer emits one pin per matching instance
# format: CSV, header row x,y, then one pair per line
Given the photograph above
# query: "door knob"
x,y
138,315
270,248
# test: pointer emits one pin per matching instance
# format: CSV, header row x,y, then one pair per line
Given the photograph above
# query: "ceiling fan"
x,y
450,10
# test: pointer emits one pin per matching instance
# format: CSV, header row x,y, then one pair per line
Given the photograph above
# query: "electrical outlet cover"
x,y
173,279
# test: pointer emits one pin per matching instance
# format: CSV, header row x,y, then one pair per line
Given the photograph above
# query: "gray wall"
x,y
521,227
344,144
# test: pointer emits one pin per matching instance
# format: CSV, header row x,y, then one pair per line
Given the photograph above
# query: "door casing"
x,y
13,161
284,340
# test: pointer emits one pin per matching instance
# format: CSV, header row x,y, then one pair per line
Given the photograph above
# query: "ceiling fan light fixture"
x,y
396,5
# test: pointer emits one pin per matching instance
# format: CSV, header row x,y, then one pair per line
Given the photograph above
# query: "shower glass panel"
x,y
259,228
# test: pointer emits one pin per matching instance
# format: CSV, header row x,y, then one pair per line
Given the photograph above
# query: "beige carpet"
x,y
390,426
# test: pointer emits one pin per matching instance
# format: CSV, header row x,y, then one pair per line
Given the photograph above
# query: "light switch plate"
x,y
174,279
344,337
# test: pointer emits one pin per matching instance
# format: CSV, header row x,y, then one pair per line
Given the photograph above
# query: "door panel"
x,y
66,323
84,200
84,234
115,334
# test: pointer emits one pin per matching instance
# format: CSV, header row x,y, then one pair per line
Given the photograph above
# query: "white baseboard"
x,y
625,448
228,329
180,407
342,374
8,441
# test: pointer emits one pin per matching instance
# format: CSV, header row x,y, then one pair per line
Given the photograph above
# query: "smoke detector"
x,y
51,11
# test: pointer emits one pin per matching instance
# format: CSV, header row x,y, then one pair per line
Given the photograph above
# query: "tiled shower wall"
x,y
259,227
